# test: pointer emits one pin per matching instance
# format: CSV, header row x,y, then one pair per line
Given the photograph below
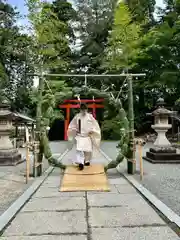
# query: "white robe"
x,y
84,141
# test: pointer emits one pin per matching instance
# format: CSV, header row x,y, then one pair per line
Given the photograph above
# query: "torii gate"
x,y
75,103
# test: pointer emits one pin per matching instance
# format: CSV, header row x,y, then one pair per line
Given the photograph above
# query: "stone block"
x,y
136,233
45,237
10,157
48,192
106,199
47,223
125,189
162,157
163,150
113,190
123,216
118,181
52,181
55,204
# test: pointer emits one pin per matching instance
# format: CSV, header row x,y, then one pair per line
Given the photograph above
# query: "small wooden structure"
x,y
75,103
20,122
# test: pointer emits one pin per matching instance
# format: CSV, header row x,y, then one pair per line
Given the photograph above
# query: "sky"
x,y
159,3
20,4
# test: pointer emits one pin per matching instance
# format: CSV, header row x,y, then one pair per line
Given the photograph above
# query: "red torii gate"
x,y
75,103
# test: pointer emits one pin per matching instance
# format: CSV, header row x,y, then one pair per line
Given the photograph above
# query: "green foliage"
x,y
50,41
112,39
15,59
54,94
159,58
51,46
93,25
124,140
111,129
142,9
123,40
66,14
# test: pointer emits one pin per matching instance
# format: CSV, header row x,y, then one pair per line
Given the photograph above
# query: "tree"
x,y
123,46
15,58
51,45
159,56
142,10
95,19
65,13
21,84
123,40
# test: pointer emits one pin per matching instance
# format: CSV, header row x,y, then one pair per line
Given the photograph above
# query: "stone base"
x,y
163,150
162,155
10,157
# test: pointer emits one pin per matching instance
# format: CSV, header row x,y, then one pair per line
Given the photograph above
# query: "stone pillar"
x,y
161,140
5,130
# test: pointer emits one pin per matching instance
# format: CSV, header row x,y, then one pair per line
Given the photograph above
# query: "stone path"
x,y
12,180
121,214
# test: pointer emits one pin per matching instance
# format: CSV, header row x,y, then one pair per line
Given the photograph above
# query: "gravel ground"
x,y
12,180
163,180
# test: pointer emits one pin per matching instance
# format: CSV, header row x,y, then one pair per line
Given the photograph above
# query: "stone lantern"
x,y
161,125
8,154
162,151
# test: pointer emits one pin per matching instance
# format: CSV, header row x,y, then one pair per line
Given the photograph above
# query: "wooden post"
x,y
140,161
65,129
35,160
94,110
33,134
16,137
67,119
27,154
27,163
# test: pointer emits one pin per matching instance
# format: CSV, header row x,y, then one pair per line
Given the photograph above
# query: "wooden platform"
x,y
92,178
91,170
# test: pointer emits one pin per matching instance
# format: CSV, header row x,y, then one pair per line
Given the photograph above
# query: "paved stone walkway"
x,y
12,179
121,214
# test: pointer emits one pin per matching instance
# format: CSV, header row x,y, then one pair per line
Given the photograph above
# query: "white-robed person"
x,y
85,130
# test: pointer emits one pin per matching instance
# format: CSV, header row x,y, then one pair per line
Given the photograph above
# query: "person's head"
x,y
83,108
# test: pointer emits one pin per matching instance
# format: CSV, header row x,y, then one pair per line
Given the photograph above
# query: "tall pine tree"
x,y
15,59
142,9
95,20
